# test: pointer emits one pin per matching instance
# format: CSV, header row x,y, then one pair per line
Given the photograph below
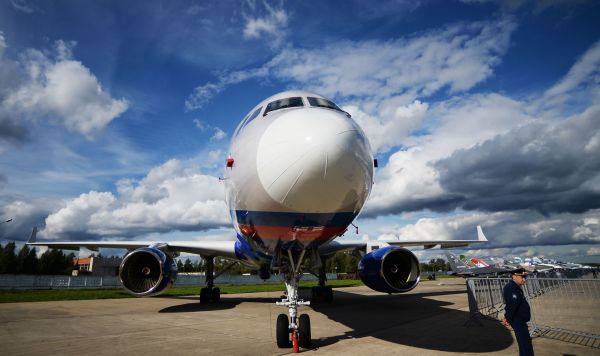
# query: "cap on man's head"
x,y
519,272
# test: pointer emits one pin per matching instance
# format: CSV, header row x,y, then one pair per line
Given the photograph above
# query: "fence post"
x,y
474,313
528,293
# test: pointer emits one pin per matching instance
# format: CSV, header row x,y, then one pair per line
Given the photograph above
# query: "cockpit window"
x,y
283,103
323,103
251,116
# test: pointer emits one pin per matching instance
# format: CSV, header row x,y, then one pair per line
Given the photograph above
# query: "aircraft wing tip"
x,y
33,236
480,234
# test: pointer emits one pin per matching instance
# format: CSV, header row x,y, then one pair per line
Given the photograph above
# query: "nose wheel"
x,y
300,335
304,339
283,331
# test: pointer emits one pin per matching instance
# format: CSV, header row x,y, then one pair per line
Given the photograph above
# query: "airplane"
x,y
465,267
298,173
478,262
461,269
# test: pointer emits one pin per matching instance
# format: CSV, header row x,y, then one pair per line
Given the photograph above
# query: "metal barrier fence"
x,y
564,309
20,281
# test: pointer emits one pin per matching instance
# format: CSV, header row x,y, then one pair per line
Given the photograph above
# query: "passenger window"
x,y
283,103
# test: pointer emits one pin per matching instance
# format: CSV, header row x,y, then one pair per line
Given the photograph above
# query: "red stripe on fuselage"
x,y
283,233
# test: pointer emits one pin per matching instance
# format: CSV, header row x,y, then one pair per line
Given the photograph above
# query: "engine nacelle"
x,y
147,271
390,270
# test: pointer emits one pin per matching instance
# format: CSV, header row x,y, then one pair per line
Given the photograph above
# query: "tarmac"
x,y
433,319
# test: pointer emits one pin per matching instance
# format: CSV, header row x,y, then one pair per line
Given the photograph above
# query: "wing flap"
x,y
203,248
343,245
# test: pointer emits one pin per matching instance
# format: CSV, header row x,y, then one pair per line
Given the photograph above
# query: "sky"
x,y
115,117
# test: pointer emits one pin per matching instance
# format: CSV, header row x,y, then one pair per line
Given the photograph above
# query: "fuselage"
x,y
299,171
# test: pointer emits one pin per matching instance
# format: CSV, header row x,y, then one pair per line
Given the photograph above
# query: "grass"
x,y
85,294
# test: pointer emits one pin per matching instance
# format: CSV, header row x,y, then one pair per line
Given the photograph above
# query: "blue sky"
x,y
115,117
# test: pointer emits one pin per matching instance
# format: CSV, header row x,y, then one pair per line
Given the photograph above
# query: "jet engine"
x,y
390,270
147,271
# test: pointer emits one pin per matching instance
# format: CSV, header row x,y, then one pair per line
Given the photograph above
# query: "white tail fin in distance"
x,y
480,235
456,264
33,234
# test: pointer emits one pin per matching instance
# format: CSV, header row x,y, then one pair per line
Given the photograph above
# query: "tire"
x,y
304,338
215,295
205,295
283,331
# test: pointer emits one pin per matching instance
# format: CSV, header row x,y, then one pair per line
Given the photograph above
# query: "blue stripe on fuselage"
x,y
267,218
248,255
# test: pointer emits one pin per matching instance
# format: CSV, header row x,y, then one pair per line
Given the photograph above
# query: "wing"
x,y
365,245
204,248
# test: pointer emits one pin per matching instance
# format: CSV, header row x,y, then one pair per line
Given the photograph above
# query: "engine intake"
x,y
390,270
147,271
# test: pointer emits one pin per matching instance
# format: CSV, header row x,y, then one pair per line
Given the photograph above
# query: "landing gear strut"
x,y
210,293
298,327
322,293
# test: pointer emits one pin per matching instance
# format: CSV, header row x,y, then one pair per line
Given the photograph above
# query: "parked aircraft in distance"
x,y
472,267
460,268
298,173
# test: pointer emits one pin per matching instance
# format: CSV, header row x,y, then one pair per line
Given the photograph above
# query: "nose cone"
x,y
315,160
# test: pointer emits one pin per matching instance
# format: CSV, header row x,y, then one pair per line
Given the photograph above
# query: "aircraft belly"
x,y
272,230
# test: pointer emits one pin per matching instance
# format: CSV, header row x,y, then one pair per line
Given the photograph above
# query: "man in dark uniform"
x,y
517,312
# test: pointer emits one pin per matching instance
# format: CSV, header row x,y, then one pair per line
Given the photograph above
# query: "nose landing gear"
x,y
298,327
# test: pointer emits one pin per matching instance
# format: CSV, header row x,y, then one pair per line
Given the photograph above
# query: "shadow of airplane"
x,y
226,303
412,319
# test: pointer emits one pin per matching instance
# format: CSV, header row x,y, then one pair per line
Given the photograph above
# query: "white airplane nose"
x,y
315,161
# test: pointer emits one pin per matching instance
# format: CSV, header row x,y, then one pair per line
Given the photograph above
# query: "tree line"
x,y
340,262
435,265
26,261
54,261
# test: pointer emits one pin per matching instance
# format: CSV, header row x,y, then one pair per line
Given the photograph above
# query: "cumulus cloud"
x,y
457,58
25,213
392,121
218,134
503,229
60,89
410,181
545,166
171,197
272,25
492,153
